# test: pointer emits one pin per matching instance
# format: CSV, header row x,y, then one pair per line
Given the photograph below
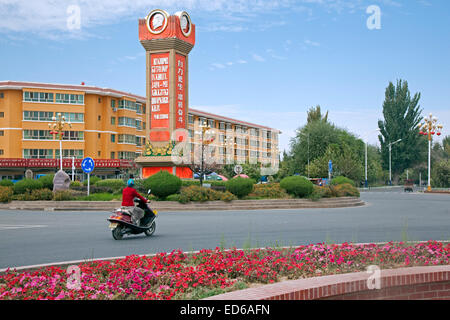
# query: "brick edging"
x,y
434,280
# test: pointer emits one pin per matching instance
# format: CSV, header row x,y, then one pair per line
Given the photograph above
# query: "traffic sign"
x,y
330,166
88,165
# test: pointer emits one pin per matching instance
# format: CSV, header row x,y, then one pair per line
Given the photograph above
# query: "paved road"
x,y
28,238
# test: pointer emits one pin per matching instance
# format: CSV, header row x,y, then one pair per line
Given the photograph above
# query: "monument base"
x,y
152,165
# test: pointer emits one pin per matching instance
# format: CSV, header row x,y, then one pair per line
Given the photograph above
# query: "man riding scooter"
x,y
128,195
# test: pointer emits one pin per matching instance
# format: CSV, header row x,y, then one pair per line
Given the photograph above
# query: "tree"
x,y
402,114
314,114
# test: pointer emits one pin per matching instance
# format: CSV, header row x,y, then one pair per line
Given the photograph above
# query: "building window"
x,y
126,155
1,152
69,153
2,133
113,104
2,95
126,104
191,119
69,98
127,122
99,100
99,153
127,138
113,155
2,114
113,138
113,121
38,153
37,96
99,135
99,118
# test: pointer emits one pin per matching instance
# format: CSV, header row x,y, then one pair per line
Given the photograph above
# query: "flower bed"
x,y
178,275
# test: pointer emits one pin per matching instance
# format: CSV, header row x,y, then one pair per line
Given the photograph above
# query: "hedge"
x,y
115,184
6,194
239,186
341,180
47,181
298,186
163,184
27,185
6,183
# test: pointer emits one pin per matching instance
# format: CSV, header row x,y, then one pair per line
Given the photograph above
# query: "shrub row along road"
x,y
28,238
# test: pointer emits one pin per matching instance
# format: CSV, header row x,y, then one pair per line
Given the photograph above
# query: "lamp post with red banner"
x,y
429,128
57,127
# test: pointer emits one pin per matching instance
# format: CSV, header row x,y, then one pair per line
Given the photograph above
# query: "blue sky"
x,y
261,61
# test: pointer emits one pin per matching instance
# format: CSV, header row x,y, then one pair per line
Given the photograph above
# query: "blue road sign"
x,y
330,166
87,165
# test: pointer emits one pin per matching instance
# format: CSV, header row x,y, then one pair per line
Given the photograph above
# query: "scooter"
x,y
121,223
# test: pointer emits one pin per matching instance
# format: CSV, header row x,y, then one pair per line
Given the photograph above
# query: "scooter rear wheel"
x,y
117,233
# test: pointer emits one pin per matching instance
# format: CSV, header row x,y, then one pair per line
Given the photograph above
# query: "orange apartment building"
x,y
108,125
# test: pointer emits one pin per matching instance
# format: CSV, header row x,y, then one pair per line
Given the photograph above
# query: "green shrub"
x,y
298,186
62,195
346,190
6,194
163,184
47,181
342,180
269,191
99,197
173,197
114,184
26,186
76,184
187,183
240,187
227,196
6,183
42,194
92,180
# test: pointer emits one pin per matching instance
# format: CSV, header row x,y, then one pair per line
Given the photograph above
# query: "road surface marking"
x,y
19,226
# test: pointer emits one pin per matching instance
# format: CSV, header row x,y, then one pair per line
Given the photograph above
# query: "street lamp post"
x,y
390,161
203,144
430,128
57,127
366,182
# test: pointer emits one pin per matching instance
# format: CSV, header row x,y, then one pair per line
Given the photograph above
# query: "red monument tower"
x,y
167,39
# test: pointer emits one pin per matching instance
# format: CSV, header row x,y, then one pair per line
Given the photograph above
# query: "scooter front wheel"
x,y
117,233
151,230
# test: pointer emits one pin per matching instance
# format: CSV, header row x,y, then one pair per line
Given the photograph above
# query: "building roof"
x,y
19,85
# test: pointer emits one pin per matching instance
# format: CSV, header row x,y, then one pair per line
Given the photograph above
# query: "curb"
x,y
176,206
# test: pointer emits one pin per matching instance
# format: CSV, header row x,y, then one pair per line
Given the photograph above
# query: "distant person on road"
x,y
128,195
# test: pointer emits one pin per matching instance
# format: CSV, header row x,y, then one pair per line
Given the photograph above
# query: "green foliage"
x,y
298,186
6,194
253,171
75,184
114,184
100,197
402,114
441,174
62,195
163,184
346,190
202,194
42,194
321,141
26,186
6,183
269,191
187,183
47,181
240,187
342,180
314,115
92,180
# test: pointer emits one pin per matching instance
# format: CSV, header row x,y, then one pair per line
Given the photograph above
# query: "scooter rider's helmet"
x,y
130,183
